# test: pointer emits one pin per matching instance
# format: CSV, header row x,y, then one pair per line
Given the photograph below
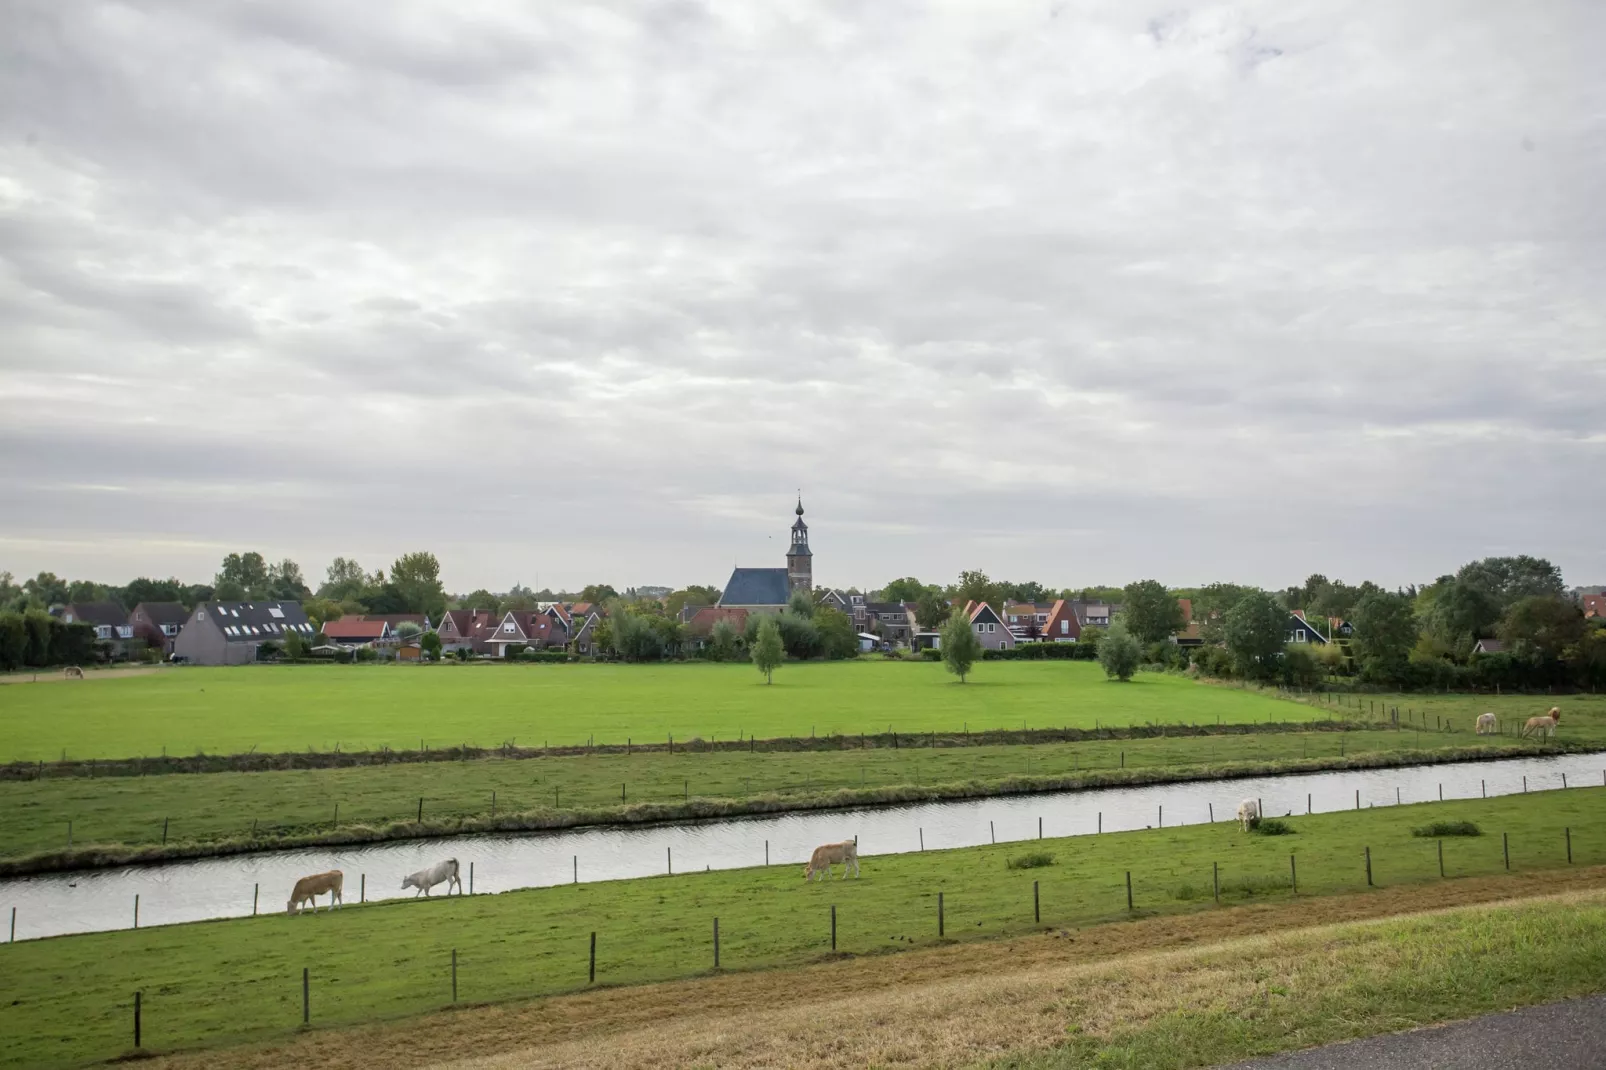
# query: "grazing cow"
x,y
1543,726
1487,725
1248,814
425,879
846,852
308,889
72,672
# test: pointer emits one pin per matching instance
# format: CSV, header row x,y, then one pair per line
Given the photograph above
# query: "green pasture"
x,y
363,707
67,1000
217,807
1583,717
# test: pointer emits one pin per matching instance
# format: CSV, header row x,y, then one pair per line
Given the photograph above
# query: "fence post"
x,y
1159,820
1307,802
256,890
493,804
1441,791
716,943
471,878
1037,905
420,809
1505,847
14,924
1564,782
454,975
69,834
306,997
1212,812
1569,833
1396,795
922,839
1369,867
939,914
1215,880
992,832
766,852
165,820
136,910
593,975
1525,784
137,999
1484,786
577,869
833,926
1293,874
1039,828
1129,889
1357,798
1101,820
669,855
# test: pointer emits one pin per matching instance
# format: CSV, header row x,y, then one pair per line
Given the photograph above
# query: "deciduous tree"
x,y
417,578
1542,627
1120,653
1385,633
1256,629
960,647
767,651
1150,612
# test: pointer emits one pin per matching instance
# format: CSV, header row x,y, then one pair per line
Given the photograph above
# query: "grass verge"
x,y
67,999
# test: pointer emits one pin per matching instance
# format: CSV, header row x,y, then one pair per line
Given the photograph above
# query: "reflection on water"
x,y
218,888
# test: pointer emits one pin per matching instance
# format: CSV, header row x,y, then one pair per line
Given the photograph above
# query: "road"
x,y
1557,1036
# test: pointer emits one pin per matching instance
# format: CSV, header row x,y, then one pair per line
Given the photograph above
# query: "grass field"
x,y
1583,717
293,708
67,1000
217,807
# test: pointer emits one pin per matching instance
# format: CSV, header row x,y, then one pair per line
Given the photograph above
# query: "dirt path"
x,y
846,1012
54,676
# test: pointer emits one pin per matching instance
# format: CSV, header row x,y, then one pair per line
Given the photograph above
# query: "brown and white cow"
x,y
308,889
828,854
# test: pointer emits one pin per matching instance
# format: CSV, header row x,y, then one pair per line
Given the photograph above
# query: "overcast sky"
x,y
1073,291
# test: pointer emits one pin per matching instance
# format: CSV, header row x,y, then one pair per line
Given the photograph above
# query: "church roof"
x,y
757,587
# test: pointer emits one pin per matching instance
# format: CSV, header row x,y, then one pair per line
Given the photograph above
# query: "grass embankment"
x,y
121,819
294,708
1154,993
68,999
1583,717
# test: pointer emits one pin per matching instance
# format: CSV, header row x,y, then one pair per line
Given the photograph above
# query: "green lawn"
x,y
108,811
293,708
67,1000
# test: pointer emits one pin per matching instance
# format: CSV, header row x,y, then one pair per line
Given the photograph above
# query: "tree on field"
x,y
960,647
835,629
767,648
1543,627
930,611
1385,633
722,639
430,644
417,577
1256,629
1120,653
1150,612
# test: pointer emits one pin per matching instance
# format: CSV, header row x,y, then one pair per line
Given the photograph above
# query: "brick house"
x,y
158,624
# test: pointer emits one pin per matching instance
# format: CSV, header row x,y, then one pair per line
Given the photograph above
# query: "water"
x,y
223,887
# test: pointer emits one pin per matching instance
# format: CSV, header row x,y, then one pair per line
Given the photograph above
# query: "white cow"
x,y
425,879
846,852
1487,725
308,889
1248,814
1543,726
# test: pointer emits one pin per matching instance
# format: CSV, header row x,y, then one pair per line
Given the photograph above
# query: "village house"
x,y
157,624
232,633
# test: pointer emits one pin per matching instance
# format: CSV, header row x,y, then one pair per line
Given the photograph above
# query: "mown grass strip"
x,y
66,999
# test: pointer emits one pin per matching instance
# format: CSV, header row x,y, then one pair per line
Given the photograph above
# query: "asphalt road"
x,y
1555,1036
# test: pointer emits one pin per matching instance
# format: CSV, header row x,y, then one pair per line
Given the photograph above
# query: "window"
x,y
170,629
1065,627
509,628
1299,635
276,612
103,631
200,614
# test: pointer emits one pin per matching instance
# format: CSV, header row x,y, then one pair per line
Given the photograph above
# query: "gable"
x,y
757,587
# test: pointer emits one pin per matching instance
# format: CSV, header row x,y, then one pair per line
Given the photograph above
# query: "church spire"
x,y
799,559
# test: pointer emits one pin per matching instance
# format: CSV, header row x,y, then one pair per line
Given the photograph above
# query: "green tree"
x,y
417,577
1509,579
695,595
1210,606
37,622
599,592
960,647
430,644
930,611
13,641
321,611
407,631
722,639
835,629
247,572
907,589
343,579
974,586
800,605
1030,591
1150,612
1256,627
767,648
1385,634
1543,627
71,644
1120,653
1458,614
45,590
295,646
1302,666
479,599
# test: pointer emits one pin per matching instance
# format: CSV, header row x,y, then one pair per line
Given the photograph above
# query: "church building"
x,y
769,589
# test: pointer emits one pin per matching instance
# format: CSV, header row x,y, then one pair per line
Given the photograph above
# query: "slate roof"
x,y
253,622
757,587
98,613
159,613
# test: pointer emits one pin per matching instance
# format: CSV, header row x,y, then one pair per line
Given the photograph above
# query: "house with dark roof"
x,y
1488,646
990,628
232,633
1190,635
158,624
1301,630
524,628
768,590
110,621
467,629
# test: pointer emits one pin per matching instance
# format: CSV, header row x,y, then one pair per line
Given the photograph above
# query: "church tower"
x,y
799,560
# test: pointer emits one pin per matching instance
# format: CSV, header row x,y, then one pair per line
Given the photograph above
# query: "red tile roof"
x,y
354,628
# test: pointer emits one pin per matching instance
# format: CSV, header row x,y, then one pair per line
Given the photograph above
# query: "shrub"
x,y
1031,860
1272,826
1448,828
1119,653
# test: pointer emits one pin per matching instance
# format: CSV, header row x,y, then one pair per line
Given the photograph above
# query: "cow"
x,y
846,852
72,672
1487,725
1248,814
425,879
1543,726
308,889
